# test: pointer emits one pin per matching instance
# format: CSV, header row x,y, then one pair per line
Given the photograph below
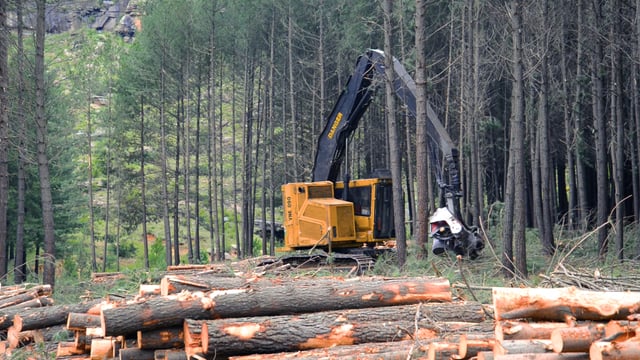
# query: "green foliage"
x,y
127,249
157,255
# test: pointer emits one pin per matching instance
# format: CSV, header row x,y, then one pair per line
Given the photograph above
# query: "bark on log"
x,y
24,297
136,354
48,316
81,321
323,329
7,314
8,292
173,284
561,304
576,339
170,311
170,354
161,338
623,350
400,350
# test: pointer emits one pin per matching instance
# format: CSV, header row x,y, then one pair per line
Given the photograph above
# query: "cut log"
x,y
192,332
622,350
485,355
441,350
518,330
136,354
68,348
521,347
547,356
620,330
170,354
15,295
173,284
98,277
48,316
7,314
82,341
170,311
102,348
18,339
22,298
470,346
323,329
576,339
400,350
161,338
147,290
561,304
81,321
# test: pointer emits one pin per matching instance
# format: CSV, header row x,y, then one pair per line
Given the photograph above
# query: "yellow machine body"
x,y
315,217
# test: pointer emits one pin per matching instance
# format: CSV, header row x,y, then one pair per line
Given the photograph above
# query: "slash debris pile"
x,y
201,313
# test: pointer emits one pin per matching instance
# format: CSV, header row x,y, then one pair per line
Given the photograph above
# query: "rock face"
x,y
121,16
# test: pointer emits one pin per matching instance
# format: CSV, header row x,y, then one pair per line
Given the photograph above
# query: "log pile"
x,y
16,303
198,314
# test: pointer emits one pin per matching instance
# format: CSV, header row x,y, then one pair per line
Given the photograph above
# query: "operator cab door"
x,y
373,208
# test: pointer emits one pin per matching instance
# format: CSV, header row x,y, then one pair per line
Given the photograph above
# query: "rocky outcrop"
x,y
120,16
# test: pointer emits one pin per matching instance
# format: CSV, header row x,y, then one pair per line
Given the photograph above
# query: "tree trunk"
x,y
578,140
49,256
176,188
20,267
394,138
196,190
600,126
4,136
163,163
143,190
546,170
422,142
617,121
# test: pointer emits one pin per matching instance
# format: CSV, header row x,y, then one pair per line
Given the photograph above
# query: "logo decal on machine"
x,y
335,125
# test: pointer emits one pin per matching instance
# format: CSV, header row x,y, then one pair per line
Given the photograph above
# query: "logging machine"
x,y
353,219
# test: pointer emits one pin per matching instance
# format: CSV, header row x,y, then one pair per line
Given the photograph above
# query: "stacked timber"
x,y
207,317
548,324
198,314
15,302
